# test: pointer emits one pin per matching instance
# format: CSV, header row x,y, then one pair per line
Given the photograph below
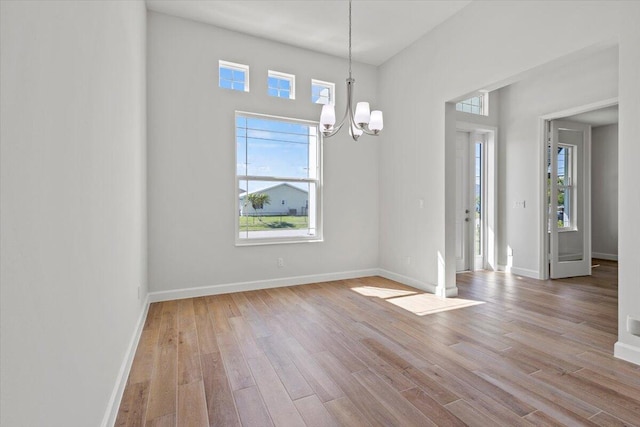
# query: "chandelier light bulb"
x,y
328,116
363,114
376,123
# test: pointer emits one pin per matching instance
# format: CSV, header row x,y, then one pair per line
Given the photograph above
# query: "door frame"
x,y
543,212
489,207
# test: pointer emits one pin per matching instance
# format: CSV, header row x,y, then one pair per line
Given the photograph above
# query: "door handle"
x,y
466,219
466,211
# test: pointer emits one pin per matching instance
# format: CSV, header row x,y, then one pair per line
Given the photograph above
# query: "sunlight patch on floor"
x,y
423,304
374,291
417,303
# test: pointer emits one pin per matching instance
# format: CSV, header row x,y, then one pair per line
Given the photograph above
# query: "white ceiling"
x,y
601,117
380,28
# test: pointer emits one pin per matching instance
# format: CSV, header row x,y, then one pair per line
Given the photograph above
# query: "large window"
x,y
233,76
278,173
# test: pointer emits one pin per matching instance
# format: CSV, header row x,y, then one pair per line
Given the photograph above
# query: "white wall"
x,y
192,194
556,88
415,161
72,205
604,191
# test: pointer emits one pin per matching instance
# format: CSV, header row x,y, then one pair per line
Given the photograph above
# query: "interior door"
x,y
569,184
463,210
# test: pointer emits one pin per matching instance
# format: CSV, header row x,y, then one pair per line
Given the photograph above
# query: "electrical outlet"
x,y
421,203
139,292
280,262
407,260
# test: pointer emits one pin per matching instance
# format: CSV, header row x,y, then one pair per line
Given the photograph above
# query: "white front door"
x,y
463,209
569,183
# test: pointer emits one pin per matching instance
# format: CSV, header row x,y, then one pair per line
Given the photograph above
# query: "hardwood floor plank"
x,y
433,410
314,413
470,416
279,405
163,388
204,327
168,420
394,402
234,362
346,413
192,405
188,357
220,404
251,408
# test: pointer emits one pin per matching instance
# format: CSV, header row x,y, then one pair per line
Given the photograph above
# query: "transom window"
x,y
322,92
278,170
281,85
233,76
474,105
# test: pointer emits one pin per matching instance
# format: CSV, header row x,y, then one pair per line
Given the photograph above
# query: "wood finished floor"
x,y
354,353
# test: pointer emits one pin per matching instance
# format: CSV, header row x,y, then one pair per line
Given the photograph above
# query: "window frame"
x,y
317,212
282,76
569,188
484,104
237,67
329,85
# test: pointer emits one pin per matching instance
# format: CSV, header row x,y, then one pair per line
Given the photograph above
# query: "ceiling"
x,y
381,28
601,117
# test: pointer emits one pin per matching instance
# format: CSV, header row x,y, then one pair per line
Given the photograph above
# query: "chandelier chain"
x,y
349,38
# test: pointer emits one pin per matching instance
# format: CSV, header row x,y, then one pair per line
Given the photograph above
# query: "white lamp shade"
x,y
355,131
328,116
362,113
376,122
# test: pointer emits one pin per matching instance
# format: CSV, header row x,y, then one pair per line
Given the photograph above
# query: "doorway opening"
x,y
475,197
580,189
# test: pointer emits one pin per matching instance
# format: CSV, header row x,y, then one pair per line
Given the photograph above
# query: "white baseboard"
x,y
259,284
600,255
427,287
533,274
113,406
627,352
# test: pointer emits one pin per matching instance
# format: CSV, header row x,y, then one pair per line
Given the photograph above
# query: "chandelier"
x,y
360,121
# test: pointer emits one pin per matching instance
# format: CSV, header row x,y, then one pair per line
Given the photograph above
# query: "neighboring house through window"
x,y
278,165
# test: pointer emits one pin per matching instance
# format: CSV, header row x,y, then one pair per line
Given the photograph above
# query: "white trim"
x,y
600,255
427,287
533,274
226,288
627,352
113,406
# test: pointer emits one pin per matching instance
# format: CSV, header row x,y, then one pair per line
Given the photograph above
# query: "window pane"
x,y
276,209
285,84
275,148
225,84
226,73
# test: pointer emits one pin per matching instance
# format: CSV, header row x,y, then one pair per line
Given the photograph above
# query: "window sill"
x,y
266,242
